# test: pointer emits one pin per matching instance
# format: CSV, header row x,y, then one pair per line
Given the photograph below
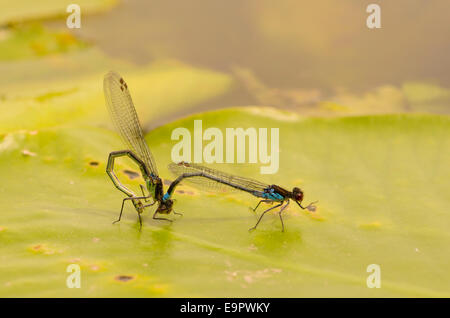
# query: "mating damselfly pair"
x,y
125,119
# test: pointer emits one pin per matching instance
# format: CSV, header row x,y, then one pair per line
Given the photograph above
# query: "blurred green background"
x,y
364,128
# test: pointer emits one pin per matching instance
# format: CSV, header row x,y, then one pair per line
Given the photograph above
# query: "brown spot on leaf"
x,y
94,163
131,174
123,278
185,192
44,249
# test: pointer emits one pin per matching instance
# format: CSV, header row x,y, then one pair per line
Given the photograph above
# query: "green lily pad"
x,y
381,182
33,41
57,90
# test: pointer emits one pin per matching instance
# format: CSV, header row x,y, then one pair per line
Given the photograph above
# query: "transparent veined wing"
x,y
125,118
216,180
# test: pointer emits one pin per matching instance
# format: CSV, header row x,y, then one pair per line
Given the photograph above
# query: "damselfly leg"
x,y
123,203
262,201
158,218
262,214
143,194
150,204
281,218
310,207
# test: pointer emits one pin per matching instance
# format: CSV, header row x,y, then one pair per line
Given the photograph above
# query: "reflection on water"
x,y
155,244
315,58
275,242
287,44
161,242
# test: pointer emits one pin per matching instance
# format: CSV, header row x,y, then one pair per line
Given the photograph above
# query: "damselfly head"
x,y
165,207
297,194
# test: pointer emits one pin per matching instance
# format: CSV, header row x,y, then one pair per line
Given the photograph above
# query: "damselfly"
x,y
125,119
214,179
